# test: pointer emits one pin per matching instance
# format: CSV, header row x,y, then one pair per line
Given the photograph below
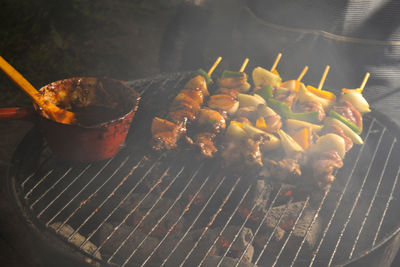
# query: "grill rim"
x,y
48,237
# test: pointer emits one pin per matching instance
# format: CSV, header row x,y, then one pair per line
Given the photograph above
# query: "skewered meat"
x,y
347,110
224,103
183,108
205,141
252,152
165,134
211,120
239,82
232,92
309,107
198,83
323,165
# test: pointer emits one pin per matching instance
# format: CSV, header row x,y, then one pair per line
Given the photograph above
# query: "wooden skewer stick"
x,y
278,58
364,82
302,73
214,66
321,83
244,65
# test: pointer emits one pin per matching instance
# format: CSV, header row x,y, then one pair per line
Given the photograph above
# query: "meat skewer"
x,y
212,120
186,105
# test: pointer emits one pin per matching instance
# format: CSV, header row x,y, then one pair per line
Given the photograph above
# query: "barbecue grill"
x,y
142,208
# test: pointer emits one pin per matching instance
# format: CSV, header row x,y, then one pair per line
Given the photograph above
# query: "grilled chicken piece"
x,y
165,134
224,103
211,120
232,92
323,165
205,141
347,110
238,83
309,107
195,94
252,152
184,109
198,83
287,96
337,130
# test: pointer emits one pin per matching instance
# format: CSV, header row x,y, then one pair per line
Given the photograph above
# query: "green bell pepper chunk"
x,y
265,92
348,123
205,75
231,74
279,107
312,116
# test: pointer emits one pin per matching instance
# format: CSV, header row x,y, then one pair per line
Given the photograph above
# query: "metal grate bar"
x,y
122,201
150,210
50,188
80,192
226,224
62,192
273,231
372,201
85,201
178,220
386,206
158,182
37,184
237,234
315,254
165,214
37,170
291,231
357,198
260,225
194,221
210,222
311,224
108,197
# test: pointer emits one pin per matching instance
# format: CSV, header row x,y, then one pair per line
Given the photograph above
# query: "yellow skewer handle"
x,y
302,73
278,58
214,66
323,78
364,82
244,65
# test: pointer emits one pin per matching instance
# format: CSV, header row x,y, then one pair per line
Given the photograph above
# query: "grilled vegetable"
x,y
281,108
303,137
205,75
294,125
246,100
290,146
235,131
329,142
325,98
348,123
347,130
312,116
265,92
356,98
262,76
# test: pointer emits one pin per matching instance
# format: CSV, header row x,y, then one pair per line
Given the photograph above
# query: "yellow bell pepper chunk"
x,y
302,137
358,90
321,93
260,124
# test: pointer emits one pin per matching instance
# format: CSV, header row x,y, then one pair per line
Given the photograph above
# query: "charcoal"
x,y
77,239
258,197
243,239
117,238
286,224
211,261
157,212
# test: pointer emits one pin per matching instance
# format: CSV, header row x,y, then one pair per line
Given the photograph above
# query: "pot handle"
x,y
23,113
